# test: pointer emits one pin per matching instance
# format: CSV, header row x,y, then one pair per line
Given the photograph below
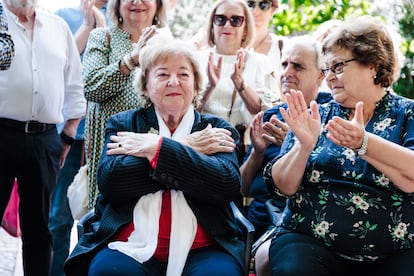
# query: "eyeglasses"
x,y
263,5
337,68
221,20
132,1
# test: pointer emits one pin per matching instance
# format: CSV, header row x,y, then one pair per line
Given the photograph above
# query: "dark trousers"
x,y
207,261
34,160
298,254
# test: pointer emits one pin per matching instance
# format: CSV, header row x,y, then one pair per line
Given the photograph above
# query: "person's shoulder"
x,y
51,19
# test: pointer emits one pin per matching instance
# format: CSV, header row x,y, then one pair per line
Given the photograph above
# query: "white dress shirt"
x,y
44,82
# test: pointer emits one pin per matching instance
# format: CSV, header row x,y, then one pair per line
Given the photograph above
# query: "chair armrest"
x,y
248,231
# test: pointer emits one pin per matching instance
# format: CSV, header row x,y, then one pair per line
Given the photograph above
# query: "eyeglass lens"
x,y
337,68
263,5
221,20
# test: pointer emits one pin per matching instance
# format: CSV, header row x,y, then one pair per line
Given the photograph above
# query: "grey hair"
x,y
160,48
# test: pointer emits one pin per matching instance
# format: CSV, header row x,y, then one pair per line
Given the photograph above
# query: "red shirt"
x,y
202,238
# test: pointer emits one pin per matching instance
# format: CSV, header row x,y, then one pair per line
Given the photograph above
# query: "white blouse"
x,y
259,75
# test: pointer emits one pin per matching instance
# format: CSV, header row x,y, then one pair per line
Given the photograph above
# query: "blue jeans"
x,y
61,221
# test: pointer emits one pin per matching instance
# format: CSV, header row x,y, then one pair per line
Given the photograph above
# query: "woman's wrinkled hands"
x,y
92,16
214,70
304,124
346,133
237,75
146,35
135,144
210,140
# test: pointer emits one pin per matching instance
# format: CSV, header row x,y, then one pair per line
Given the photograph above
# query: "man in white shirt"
x,y
42,86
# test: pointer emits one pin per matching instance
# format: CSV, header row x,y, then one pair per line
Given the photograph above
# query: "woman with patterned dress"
x,y
347,166
109,61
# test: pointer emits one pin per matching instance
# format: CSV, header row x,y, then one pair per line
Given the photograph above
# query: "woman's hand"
x,y
214,70
306,126
146,35
100,21
346,133
136,144
237,75
88,13
210,140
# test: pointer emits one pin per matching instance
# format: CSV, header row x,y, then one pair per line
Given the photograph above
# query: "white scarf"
x,y
143,240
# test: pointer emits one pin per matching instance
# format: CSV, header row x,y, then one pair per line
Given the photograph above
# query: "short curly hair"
x,y
369,41
160,48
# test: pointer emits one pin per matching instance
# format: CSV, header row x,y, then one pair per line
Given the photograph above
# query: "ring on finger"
x,y
222,144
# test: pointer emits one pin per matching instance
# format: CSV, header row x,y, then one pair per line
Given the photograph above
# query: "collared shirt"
x,y
6,43
44,82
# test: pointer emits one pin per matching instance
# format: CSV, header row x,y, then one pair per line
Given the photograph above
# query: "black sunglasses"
x,y
263,5
221,20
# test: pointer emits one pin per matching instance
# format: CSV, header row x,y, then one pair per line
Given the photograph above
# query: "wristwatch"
x,y
67,139
363,149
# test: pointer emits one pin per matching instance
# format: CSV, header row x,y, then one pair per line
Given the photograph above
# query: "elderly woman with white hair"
x,y
166,177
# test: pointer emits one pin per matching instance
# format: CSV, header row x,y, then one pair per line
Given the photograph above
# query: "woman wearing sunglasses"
x,y
241,82
346,166
266,42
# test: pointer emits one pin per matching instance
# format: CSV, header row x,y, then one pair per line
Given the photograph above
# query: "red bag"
x,y
11,220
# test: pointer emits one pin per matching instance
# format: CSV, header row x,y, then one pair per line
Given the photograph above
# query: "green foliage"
x,y
296,17
405,85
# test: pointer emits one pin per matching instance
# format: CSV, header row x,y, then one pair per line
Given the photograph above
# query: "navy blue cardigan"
x,y
209,183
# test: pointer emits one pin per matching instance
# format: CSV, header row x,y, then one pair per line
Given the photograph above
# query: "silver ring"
x,y
222,144
119,145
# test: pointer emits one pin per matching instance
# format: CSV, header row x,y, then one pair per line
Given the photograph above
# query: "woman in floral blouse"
x,y
347,166
109,64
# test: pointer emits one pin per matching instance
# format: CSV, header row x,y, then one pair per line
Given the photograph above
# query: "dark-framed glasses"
x,y
337,68
221,20
263,5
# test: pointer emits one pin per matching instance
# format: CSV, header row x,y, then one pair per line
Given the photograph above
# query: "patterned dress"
x,y
107,90
345,202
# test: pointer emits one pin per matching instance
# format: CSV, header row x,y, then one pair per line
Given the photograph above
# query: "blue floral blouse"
x,y
345,202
